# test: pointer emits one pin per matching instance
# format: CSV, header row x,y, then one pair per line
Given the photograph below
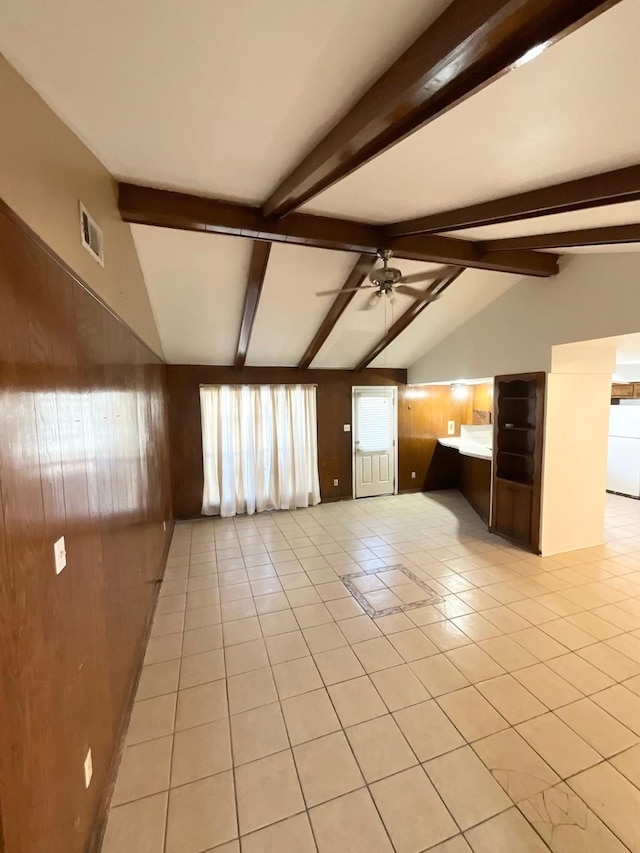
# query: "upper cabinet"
x,y
517,468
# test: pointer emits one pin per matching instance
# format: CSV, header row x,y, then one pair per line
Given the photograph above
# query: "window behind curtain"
x,y
259,448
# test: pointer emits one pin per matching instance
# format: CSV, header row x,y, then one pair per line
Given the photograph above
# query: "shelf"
x,y
519,455
516,429
503,398
522,482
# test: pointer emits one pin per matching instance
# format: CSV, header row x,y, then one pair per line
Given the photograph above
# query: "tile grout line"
x,y
472,642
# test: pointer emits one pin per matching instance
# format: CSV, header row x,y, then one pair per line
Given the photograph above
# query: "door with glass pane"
x,y
374,451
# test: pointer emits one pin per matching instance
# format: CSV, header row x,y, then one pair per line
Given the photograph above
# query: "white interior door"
x,y
374,456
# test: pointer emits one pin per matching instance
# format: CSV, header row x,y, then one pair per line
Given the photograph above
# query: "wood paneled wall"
x,y
422,417
334,410
482,403
84,454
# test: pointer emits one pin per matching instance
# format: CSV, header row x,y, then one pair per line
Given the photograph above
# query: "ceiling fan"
x,y
386,280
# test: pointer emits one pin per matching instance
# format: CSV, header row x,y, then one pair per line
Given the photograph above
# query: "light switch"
x,y
413,475
60,554
451,428
164,526
347,427
335,482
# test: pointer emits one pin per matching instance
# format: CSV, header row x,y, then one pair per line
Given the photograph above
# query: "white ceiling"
x,y
196,285
223,97
290,312
469,294
219,97
595,217
570,112
197,282
358,331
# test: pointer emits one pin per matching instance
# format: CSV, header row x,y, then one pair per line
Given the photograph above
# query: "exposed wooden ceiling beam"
x,y
255,280
609,235
358,274
455,252
149,206
620,185
408,317
467,47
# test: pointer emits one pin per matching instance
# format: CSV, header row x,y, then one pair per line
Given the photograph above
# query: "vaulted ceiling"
x,y
288,140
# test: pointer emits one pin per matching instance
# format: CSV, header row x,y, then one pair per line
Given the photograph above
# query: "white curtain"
x,y
259,448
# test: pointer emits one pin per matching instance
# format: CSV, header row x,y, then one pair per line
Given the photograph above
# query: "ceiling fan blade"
x,y
427,275
342,290
415,293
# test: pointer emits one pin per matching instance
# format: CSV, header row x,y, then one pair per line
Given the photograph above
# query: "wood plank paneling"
x,y
424,414
84,454
422,419
334,410
483,403
475,484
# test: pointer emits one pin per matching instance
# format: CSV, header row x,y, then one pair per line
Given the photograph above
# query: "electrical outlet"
x,y
413,475
60,554
335,482
451,428
88,769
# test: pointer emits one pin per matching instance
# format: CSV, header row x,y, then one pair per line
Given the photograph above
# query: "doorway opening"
x,y
375,441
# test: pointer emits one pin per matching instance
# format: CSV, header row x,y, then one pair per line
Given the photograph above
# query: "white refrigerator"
x,y
623,469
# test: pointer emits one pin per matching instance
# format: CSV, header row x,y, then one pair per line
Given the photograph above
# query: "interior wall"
x,y
84,455
333,406
423,418
575,449
575,461
45,171
423,414
482,403
593,296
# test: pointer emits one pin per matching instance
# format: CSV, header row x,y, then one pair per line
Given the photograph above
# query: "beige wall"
x,y
593,296
44,172
575,461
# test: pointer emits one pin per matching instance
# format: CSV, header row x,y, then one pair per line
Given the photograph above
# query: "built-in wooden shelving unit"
x,y
517,468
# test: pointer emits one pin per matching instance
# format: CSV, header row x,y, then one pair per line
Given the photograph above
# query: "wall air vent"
x,y
91,235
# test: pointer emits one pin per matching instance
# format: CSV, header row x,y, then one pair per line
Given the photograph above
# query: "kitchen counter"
x,y
474,446
474,441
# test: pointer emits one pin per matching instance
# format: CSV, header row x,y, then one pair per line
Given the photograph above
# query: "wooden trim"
x,y
255,280
606,236
358,274
149,206
465,49
620,185
407,318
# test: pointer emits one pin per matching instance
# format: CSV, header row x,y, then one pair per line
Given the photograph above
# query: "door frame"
x,y
394,398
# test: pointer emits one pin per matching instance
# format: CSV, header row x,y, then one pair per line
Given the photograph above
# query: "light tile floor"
x,y
274,715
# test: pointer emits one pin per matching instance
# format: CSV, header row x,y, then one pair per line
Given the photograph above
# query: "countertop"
x,y
467,447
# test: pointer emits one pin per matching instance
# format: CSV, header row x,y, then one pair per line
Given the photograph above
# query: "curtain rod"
x,y
254,384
